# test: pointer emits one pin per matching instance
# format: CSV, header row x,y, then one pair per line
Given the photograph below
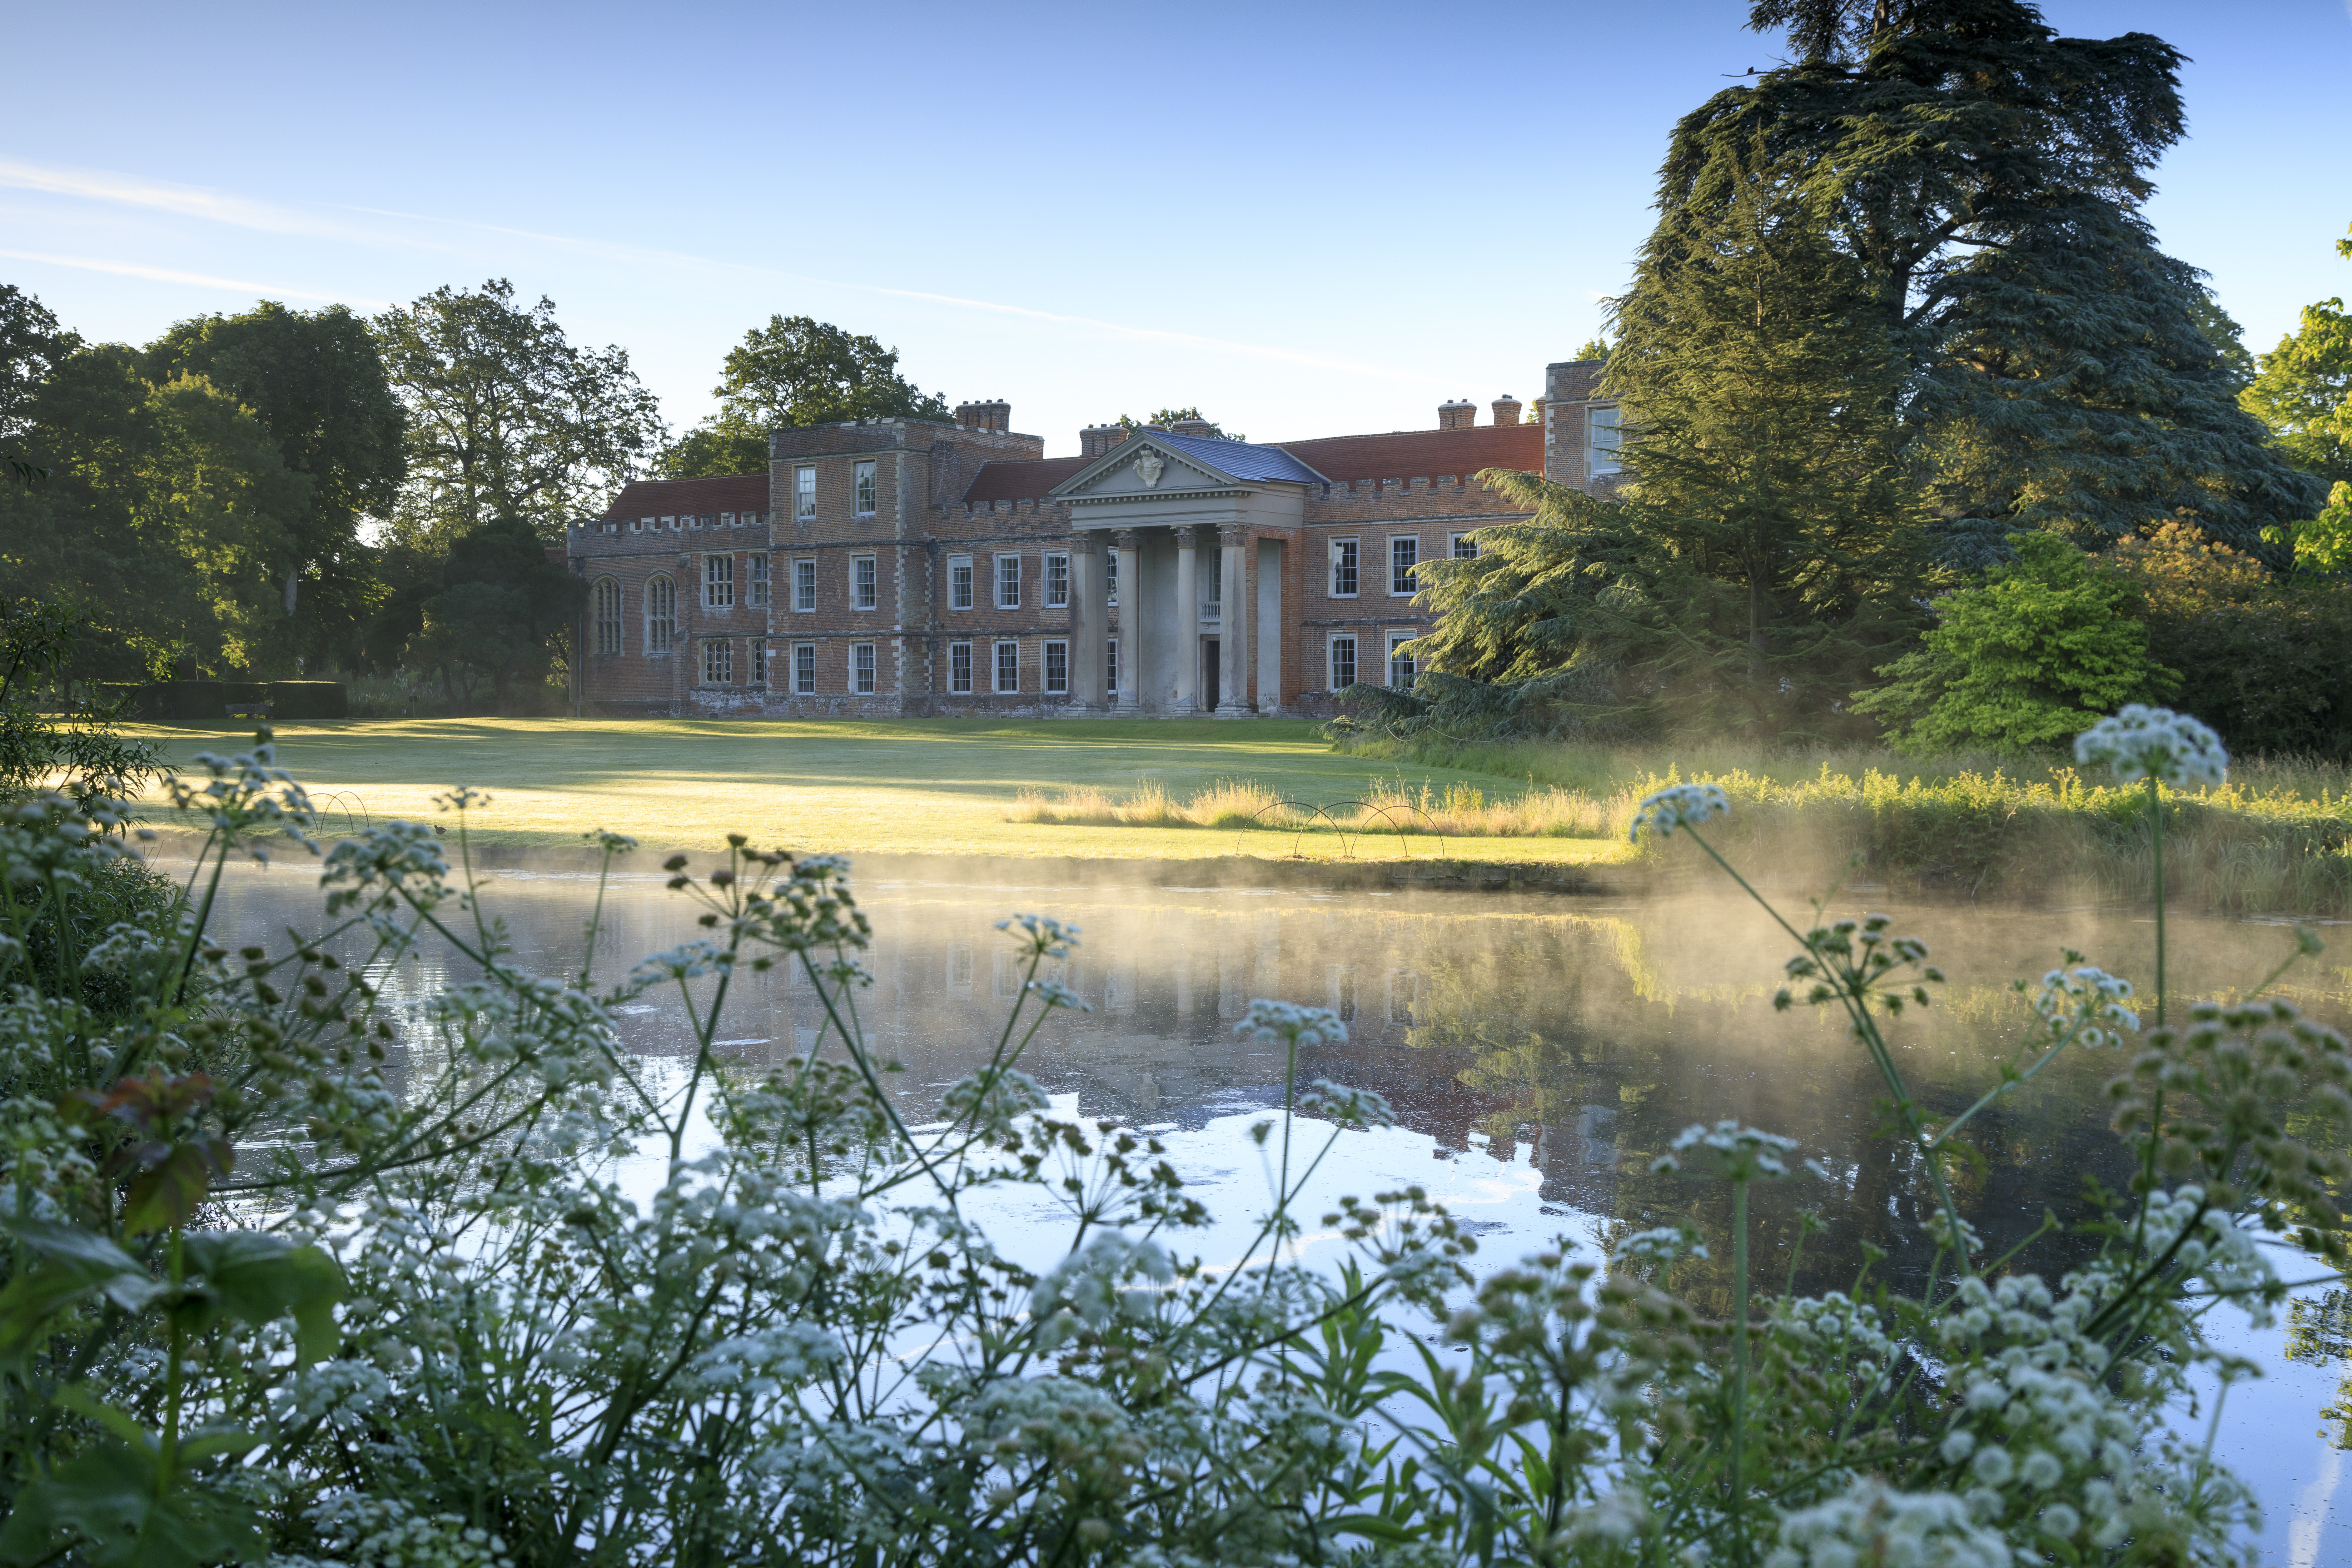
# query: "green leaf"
x,y
82,1402
167,1194
108,1500
74,1263
211,1443
258,1278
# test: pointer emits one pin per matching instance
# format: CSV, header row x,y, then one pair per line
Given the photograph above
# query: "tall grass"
x,y
1458,811
2276,838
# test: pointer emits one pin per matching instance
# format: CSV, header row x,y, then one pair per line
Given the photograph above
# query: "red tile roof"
x,y
1400,455
1027,479
1423,453
673,498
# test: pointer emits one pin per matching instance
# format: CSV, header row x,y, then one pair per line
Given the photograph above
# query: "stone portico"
x,y
1204,529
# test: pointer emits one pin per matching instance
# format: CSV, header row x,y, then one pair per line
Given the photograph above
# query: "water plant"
x,y
295,1273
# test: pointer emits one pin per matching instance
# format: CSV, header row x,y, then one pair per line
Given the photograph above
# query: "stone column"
x,y
1085,623
1130,621
1236,607
1188,624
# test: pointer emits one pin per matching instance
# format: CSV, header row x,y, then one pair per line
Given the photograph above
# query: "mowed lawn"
x,y
898,786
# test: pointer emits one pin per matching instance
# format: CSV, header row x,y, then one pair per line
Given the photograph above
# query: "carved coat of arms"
x,y
1148,467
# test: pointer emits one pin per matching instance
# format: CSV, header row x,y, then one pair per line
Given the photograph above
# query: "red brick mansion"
x,y
903,566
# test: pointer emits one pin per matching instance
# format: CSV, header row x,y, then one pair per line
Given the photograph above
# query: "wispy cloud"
x,y
112,189
210,206
195,279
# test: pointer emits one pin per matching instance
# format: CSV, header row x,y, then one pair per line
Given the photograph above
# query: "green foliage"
x,y
2304,391
505,608
168,503
2044,649
1594,348
715,447
506,417
1164,418
1765,553
1986,176
799,370
317,384
2257,652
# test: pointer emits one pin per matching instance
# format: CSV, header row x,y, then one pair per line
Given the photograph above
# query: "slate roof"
x,y
1242,459
678,498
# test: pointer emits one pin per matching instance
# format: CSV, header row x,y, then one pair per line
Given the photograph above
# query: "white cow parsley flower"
x,y
2141,742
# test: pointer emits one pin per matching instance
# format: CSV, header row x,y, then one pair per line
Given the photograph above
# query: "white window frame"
x,y
864,583
1462,546
755,584
609,602
1057,587
1391,642
755,657
996,666
863,669
1045,665
804,491
661,612
719,661
804,669
1348,555
965,689
1008,586
1110,577
1606,449
1110,665
805,586
1331,660
1412,541
718,582
866,490
960,582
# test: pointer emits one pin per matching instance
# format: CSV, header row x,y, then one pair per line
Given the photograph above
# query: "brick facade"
x,y
910,567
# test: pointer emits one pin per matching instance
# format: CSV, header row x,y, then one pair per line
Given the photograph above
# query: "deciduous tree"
x,y
506,417
317,382
797,371
2045,648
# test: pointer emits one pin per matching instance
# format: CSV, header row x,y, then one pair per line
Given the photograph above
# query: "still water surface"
x,y
1538,1051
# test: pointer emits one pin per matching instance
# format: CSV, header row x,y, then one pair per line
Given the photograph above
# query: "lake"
x,y
1538,1051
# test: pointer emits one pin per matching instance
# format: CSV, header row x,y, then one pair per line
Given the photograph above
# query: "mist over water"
x,y
1539,1050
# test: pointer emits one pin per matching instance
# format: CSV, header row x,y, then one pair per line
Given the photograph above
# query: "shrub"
x,y
2260,655
2045,648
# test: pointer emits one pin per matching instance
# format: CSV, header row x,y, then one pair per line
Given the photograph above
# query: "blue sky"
x,y
1306,219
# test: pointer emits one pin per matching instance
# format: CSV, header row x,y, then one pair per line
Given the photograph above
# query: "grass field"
x,y
938,787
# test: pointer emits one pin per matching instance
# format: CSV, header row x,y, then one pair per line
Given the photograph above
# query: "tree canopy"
x,y
506,417
799,370
1986,176
317,384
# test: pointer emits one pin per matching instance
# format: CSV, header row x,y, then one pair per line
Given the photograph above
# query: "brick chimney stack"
x,y
1096,439
1199,428
1459,415
1507,410
995,415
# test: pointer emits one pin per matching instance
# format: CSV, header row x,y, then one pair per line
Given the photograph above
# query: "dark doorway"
x,y
1213,690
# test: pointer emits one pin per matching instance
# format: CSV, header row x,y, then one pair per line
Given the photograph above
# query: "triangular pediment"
x,y
1142,466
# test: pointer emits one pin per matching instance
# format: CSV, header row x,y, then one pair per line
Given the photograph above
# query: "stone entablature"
x,y
917,567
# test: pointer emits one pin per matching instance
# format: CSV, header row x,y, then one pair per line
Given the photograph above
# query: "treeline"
x,y
1924,433
283,492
